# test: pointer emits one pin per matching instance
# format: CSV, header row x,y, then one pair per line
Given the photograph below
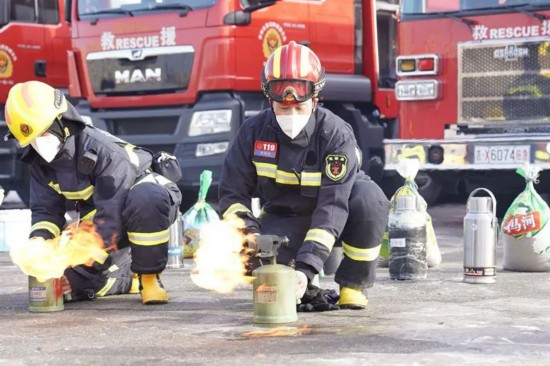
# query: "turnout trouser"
x,y
151,207
360,239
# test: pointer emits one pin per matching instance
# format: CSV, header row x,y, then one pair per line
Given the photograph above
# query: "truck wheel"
x,y
429,188
504,201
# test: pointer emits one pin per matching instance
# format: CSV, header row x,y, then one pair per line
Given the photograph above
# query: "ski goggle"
x,y
290,90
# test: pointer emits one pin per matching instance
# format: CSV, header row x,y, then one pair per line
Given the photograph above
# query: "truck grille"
x,y
140,71
504,82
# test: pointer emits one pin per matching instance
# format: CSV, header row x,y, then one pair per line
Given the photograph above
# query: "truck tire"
x,y
504,201
429,188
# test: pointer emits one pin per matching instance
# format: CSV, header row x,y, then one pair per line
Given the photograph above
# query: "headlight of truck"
x,y
417,90
211,149
208,122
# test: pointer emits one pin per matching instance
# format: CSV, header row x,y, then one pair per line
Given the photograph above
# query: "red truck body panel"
x,y
22,44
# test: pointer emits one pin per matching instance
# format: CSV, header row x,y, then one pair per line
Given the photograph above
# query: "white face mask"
x,y
292,124
47,146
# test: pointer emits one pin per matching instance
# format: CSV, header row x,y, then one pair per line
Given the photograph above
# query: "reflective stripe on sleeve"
x,y
73,196
359,254
160,237
46,225
234,208
89,215
100,256
321,236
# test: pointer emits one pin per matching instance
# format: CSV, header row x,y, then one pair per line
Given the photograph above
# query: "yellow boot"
x,y
134,289
351,298
152,291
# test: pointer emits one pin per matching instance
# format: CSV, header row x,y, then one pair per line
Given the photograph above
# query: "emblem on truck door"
x,y
272,36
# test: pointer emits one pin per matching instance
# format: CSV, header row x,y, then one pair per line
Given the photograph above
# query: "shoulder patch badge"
x,y
336,166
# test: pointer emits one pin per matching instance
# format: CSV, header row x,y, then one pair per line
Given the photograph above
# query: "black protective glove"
x,y
251,224
316,299
80,295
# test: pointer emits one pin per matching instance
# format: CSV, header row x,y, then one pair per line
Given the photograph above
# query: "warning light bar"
x,y
417,65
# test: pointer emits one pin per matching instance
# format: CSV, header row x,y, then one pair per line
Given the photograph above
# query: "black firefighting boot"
x,y
134,289
152,291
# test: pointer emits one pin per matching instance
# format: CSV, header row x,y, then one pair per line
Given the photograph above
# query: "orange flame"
x,y
219,260
45,259
279,332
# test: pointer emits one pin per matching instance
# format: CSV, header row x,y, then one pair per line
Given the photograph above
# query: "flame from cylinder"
x,y
220,261
46,259
278,332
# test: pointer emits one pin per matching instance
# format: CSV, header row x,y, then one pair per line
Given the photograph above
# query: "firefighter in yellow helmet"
x,y
303,161
109,179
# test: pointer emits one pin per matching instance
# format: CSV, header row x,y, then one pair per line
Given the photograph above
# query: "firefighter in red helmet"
x,y
304,163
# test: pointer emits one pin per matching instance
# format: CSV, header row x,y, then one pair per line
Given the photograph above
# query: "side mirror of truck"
x,y
68,5
242,17
251,5
4,13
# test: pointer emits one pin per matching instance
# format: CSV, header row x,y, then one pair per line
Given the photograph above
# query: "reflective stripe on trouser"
x,y
151,207
362,234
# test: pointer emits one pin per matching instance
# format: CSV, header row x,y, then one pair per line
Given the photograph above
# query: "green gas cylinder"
x,y
274,294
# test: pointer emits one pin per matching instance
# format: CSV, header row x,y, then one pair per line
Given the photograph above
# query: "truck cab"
x,y
34,39
474,93
182,75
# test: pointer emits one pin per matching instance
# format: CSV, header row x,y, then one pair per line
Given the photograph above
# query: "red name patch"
x,y
265,149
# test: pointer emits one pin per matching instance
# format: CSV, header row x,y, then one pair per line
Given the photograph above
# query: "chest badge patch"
x,y
265,149
336,167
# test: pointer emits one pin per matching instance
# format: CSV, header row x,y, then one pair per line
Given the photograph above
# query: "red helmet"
x,y
293,73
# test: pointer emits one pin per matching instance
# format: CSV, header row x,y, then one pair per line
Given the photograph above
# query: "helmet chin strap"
x,y
57,130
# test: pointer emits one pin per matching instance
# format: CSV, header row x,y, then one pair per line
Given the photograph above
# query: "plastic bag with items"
x,y
408,168
200,214
525,227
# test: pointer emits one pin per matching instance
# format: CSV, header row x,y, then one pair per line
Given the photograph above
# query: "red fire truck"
x,y
182,75
34,39
474,93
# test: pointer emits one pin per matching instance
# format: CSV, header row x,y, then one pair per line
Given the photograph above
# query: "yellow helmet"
x,y
31,109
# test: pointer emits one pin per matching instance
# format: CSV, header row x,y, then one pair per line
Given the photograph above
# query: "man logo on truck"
x,y
138,76
136,55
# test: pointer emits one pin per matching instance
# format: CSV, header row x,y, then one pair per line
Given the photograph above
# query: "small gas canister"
x,y
45,297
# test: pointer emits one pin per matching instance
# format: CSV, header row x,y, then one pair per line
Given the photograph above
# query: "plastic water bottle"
x,y
407,240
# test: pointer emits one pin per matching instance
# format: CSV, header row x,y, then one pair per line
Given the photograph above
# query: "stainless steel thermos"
x,y
480,238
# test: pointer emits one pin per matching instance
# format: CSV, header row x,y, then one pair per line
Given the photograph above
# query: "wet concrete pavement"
x,y
437,321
